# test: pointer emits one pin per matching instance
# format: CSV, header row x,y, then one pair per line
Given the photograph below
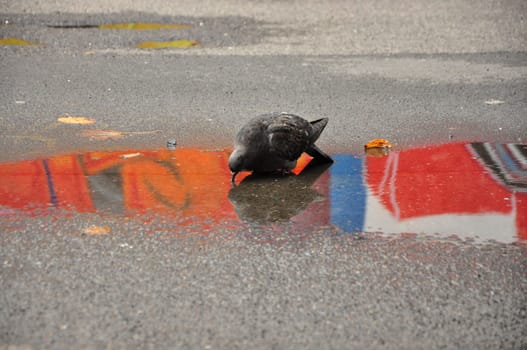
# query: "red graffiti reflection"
x,y
453,179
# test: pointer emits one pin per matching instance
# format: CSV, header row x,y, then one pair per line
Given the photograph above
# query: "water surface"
x,y
470,190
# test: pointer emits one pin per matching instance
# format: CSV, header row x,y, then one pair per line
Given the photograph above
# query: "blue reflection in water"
x,y
347,193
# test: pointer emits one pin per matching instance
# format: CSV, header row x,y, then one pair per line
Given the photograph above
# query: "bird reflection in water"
x,y
264,199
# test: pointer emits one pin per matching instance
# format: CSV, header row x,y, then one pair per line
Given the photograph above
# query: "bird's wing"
x,y
289,135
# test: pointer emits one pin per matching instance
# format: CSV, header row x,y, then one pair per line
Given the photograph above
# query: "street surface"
x,y
417,73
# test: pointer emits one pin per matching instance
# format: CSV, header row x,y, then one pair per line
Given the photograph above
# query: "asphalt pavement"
x,y
416,73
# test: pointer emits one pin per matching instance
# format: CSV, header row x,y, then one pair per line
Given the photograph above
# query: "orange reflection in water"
x,y
185,183
186,180
41,183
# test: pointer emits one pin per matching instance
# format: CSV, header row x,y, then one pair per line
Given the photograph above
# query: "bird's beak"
x,y
234,173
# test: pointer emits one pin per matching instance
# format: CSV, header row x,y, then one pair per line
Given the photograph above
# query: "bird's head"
x,y
237,161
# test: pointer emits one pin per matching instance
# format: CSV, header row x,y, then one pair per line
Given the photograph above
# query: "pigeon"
x,y
273,142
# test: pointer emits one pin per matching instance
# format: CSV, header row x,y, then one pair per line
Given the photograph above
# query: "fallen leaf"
x,y
494,102
102,134
183,43
95,230
15,41
378,143
377,147
143,26
76,120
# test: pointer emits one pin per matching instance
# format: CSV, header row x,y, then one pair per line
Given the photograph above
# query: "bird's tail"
x,y
319,156
318,125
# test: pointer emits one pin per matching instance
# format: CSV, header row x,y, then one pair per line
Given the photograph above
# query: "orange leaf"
x,y
95,230
378,143
102,134
76,120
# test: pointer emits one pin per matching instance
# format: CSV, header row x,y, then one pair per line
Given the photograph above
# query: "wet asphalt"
x,y
421,77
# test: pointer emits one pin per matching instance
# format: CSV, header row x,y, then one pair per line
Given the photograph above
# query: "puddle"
x,y
473,191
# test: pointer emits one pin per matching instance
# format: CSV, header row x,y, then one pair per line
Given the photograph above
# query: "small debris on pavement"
x,y
494,102
171,144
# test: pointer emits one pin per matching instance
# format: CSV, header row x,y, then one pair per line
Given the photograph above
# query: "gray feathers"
x,y
273,142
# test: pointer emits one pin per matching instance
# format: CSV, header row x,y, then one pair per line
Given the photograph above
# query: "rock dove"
x,y
273,142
